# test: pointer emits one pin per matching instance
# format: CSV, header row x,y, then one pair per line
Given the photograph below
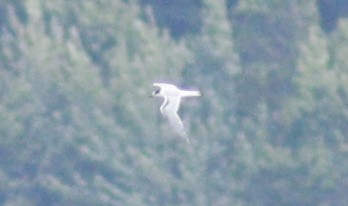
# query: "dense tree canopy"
x,y
77,126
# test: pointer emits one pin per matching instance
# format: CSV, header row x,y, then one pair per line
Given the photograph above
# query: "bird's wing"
x,y
177,125
170,110
172,104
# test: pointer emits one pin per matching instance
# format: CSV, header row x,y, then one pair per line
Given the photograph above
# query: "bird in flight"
x,y
172,97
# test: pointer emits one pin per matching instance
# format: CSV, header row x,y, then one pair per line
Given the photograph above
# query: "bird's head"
x,y
156,92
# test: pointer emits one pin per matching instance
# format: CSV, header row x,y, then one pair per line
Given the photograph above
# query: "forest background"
x,y
77,126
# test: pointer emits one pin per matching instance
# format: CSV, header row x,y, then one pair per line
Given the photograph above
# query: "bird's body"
x,y
172,97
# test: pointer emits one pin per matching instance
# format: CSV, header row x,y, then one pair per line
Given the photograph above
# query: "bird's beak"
x,y
155,93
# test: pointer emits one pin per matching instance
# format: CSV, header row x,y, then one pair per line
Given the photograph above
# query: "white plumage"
x,y
172,97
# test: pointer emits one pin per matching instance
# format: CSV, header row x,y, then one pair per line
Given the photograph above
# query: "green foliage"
x,y
77,126
181,17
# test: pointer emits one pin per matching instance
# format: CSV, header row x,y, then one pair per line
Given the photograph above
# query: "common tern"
x,y
172,97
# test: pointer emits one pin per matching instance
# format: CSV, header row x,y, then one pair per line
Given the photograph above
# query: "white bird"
x,y
172,97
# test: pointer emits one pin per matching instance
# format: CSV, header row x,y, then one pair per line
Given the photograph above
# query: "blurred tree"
x,y
312,124
215,67
319,114
265,117
265,34
180,17
330,11
82,136
77,126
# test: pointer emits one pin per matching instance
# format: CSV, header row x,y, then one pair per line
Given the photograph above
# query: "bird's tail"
x,y
191,94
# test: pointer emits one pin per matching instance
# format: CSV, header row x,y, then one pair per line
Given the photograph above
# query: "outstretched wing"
x,y
177,125
172,104
170,112
170,107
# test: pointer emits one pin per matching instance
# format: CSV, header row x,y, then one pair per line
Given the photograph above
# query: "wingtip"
x,y
187,140
184,135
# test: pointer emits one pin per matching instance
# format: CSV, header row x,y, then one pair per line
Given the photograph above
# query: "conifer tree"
x,y
313,114
215,67
77,103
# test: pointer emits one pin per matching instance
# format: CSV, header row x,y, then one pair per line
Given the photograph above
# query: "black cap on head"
x,y
156,91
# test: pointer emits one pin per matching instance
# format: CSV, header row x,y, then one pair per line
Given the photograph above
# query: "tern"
x,y
172,97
